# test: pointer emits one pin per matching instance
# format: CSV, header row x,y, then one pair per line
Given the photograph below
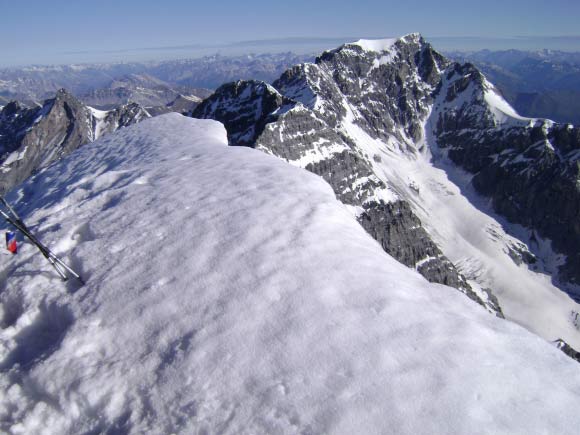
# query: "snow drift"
x,y
229,292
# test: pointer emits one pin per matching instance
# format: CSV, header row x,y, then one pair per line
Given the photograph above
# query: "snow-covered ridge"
x,y
378,45
382,45
246,303
501,109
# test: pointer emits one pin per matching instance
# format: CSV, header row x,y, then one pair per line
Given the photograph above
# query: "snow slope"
x,y
229,292
476,239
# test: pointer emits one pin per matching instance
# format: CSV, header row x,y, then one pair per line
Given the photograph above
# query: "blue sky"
x,y
60,31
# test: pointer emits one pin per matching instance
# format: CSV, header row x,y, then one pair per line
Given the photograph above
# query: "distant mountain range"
x,y
543,83
142,89
146,83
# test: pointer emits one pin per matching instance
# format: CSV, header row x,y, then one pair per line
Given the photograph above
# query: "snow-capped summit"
x,y
439,169
382,45
378,45
229,292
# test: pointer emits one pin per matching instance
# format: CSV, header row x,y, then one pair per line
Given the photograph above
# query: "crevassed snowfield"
x,y
230,293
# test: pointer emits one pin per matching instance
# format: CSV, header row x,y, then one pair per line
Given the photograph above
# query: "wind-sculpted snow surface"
x,y
228,292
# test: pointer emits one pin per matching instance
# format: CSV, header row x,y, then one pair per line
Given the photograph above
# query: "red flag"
x,y
11,244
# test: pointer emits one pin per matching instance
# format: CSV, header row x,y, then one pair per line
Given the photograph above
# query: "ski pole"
x,y
55,261
39,245
3,201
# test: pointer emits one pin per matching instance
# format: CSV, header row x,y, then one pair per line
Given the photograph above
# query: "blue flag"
x,y
11,244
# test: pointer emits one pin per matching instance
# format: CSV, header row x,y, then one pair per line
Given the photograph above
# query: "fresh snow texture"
x,y
378,45
229,292
500,108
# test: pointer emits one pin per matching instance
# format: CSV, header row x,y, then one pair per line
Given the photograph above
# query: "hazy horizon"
x,y
64,32
297,45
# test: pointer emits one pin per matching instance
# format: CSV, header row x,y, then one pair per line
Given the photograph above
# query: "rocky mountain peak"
x,y
64,97
62,93
244,107
361,111
385,86
317,114
411,49
11,109
31,138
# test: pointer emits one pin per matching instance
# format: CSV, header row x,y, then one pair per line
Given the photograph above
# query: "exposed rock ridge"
x,y
567,349
32,138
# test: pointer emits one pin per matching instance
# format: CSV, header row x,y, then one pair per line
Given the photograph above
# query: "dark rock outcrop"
x,y
31,138
567,349
244,107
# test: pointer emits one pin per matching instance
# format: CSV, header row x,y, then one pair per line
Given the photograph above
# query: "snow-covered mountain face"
x,y
302,124
31,138
410,142
542,83
530,168
229,292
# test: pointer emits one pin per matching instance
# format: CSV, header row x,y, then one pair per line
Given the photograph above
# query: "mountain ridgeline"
x,y
543,83
147,83
31,138
358,110
529,168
